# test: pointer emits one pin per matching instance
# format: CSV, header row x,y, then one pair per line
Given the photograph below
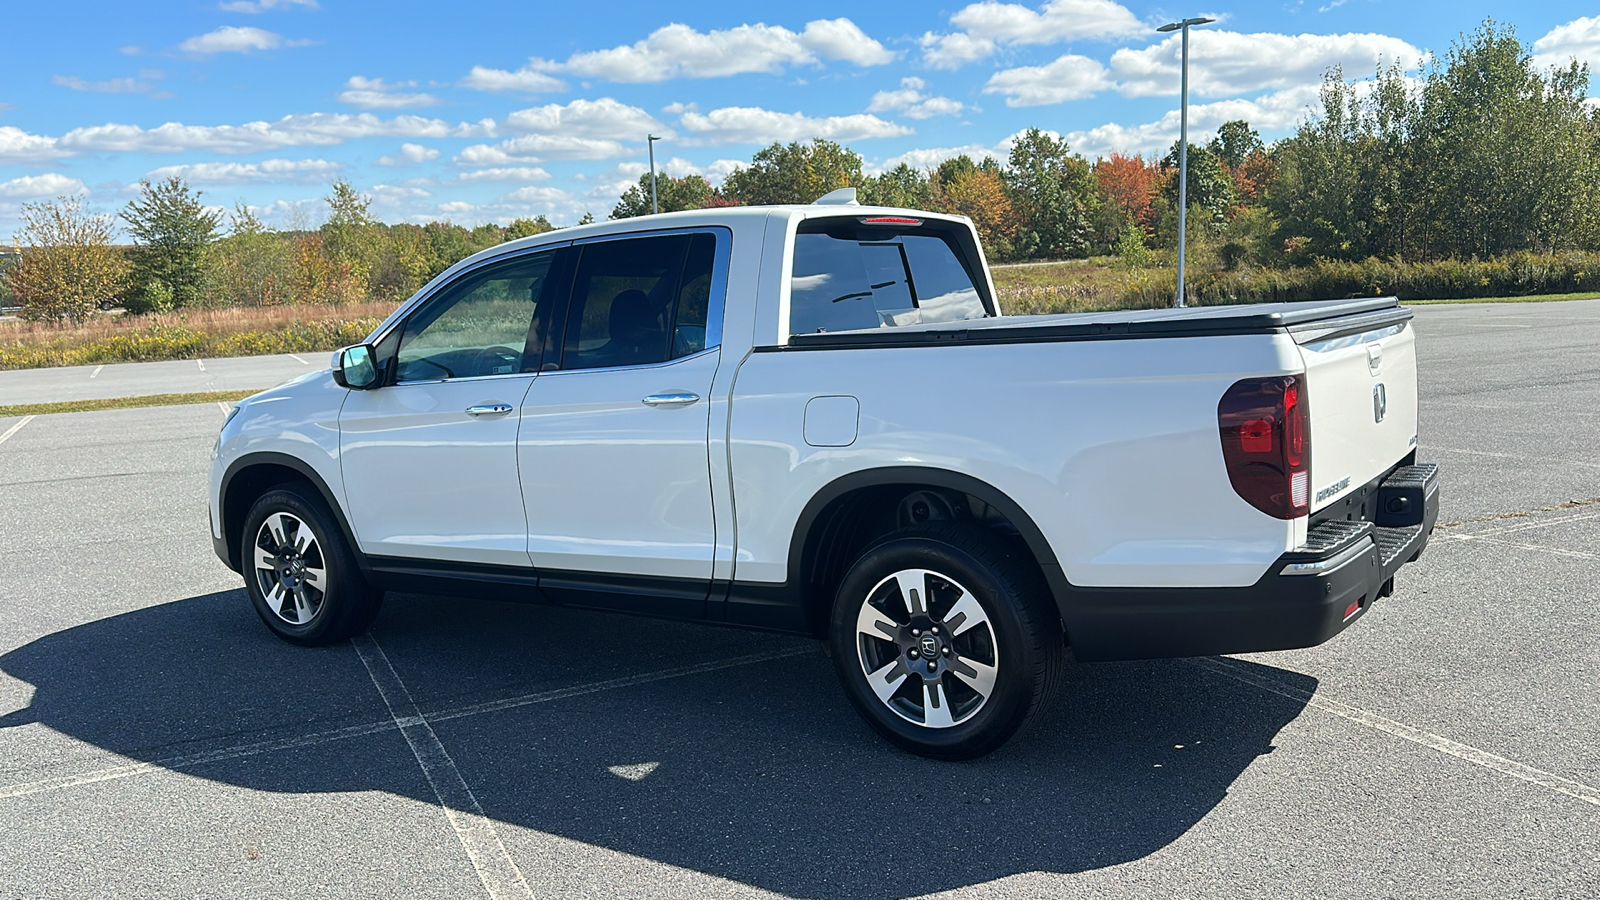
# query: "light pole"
x,y
1183,146
651,140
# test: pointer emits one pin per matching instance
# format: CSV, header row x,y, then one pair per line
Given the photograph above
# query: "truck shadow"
x,y
759,772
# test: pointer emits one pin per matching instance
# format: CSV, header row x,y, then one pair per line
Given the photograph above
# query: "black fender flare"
x,y
1049,565
230,539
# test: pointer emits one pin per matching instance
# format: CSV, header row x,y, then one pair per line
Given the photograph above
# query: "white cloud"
x,y
753,125
276,171
604,118
679,51
512,173
526,80
842,39
1275,112
532,148
930,158
253,7
1070,77
37,187
988,24
140,85
409,155
375,93
912,103
17,145
1578,39
1229,62
301,129
234,39
558,205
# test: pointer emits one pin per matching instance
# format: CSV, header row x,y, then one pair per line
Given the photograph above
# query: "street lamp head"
x,y
1199,21
1170,26
1174,26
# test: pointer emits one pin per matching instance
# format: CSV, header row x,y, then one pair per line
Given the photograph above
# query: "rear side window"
x,y
638,301
846,280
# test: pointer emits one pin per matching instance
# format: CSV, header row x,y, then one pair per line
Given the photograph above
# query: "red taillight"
x,y
1266,443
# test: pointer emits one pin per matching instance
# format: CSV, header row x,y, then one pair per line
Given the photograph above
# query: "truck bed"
x,y
1305,320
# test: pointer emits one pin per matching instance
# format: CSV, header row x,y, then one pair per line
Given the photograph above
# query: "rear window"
x,y
850,279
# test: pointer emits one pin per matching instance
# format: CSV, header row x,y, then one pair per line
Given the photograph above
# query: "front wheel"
x,y
300,574
945,640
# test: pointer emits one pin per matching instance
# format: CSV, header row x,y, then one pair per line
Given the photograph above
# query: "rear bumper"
x,y
1307,596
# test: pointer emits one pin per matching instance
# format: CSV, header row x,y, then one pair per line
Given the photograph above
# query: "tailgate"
x,y
1361,386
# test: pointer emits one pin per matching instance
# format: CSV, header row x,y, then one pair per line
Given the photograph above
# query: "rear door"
x,y
613,450
1361,384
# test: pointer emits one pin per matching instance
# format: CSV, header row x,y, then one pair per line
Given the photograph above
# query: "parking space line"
x,y
201,363
1484,758
224,407
96,371
298,360
1576,554
1566,462
192,760
15,428
489,856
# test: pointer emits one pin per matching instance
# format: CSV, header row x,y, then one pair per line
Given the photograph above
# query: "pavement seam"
x,y
15,428
490,859
194,760
1483,758
1566,462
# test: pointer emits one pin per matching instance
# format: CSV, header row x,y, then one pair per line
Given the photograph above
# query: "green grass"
x,y
67,406
1531,298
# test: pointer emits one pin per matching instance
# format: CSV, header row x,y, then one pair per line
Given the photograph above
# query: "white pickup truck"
x,y
816,420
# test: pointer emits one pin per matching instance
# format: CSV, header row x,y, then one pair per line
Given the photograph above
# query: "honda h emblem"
x,y
1380,402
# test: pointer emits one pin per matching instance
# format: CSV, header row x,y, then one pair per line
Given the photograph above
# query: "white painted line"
x,y
613,684
1484,758
1529,526
495,867
96,371
299,360
201,363
1575,554
224,407
193,760
1565,462
15,428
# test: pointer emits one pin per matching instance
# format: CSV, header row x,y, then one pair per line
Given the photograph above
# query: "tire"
x,y
299,571
980,608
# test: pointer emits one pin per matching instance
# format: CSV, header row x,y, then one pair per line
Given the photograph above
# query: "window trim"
x,y
716,303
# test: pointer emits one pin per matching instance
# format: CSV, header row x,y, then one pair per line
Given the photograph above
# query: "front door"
x,y
430,459
614,456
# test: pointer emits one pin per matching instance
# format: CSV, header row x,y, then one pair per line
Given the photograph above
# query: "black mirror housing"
x,y
356,367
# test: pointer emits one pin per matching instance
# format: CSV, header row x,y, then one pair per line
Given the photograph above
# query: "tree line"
x,y
1486,156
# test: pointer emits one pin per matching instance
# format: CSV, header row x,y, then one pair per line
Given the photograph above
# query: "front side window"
x,y
637,301
483,324
846,280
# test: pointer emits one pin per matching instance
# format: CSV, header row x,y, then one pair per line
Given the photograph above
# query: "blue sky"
x,y
479,112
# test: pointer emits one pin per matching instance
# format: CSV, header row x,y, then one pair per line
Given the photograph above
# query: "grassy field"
x,y
191,334
40,409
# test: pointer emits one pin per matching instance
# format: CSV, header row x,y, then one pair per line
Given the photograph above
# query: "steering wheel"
x,y
490,360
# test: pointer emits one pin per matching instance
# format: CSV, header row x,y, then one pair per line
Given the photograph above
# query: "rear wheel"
x,y
299,572
945,640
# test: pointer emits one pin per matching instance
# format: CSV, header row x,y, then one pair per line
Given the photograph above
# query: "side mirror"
x,y
353,367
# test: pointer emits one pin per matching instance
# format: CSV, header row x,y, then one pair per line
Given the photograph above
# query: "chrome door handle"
x,y
670,399
489,409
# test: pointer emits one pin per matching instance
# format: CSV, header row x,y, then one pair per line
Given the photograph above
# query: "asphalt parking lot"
x,y
156,741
